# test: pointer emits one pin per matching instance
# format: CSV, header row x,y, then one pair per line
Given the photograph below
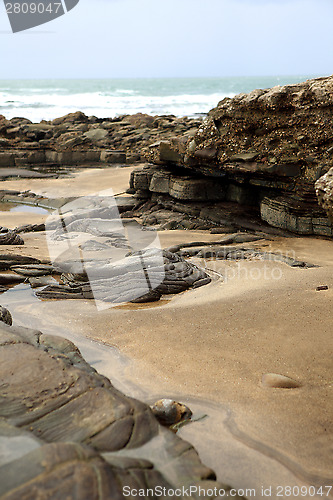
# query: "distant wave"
x,y
47,106
49,99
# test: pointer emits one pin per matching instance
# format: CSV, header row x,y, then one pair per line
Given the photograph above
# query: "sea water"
x,y
48,99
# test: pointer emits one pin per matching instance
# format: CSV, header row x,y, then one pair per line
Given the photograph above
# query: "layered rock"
x,y
77,139
265,148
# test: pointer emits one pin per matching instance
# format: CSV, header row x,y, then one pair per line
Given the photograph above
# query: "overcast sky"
x,y
171,38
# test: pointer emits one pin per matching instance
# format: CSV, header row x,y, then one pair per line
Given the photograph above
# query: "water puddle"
x,y
236,460
16,208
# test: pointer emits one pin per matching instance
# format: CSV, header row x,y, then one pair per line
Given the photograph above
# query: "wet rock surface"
x,y
74,428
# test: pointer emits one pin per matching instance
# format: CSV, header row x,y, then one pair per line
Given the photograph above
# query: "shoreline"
x,y
188,370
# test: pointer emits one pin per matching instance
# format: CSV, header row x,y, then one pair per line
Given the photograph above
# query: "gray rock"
x,y
96,134
79,436
169,412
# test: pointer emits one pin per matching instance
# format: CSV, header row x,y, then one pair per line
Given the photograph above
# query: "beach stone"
x,y
324,191
78,116
9,260
5,316
96,134
169,412
322,287
275,380
140,277
30,228
9,237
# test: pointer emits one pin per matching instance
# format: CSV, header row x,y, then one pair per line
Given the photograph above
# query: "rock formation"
x,y
265,149
66,432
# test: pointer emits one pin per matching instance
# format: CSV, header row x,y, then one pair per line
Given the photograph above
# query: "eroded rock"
x,y
77,432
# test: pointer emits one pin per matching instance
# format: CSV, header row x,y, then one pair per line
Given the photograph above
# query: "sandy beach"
x,y
215,343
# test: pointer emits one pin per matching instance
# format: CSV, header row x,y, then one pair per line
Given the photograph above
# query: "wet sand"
x,y
215,343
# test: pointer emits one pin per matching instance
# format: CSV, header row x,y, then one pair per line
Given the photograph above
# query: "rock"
x,y
30,228
78,116
96,134
9,260
165,151
169,412
5,316
10,279
76,434
34,269
322,288
324,191
9,237
140,277
274,380
261,166
109,156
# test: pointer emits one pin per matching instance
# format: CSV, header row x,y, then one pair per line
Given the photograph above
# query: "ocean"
x,y
48,99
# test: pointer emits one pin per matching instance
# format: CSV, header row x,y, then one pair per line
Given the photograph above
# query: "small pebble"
x,y
169,412
321,287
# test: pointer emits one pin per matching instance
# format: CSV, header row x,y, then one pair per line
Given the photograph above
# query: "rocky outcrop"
x,y
66,432
266,148
77,139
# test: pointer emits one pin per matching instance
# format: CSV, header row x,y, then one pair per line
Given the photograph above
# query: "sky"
x,y
174,38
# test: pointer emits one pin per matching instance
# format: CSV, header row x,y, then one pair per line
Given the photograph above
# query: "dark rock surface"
x,y
72,428
76,139
169,412
324,190
266,148
9,237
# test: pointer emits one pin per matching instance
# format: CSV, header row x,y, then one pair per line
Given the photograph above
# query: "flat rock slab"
x,y
10,278
73,425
